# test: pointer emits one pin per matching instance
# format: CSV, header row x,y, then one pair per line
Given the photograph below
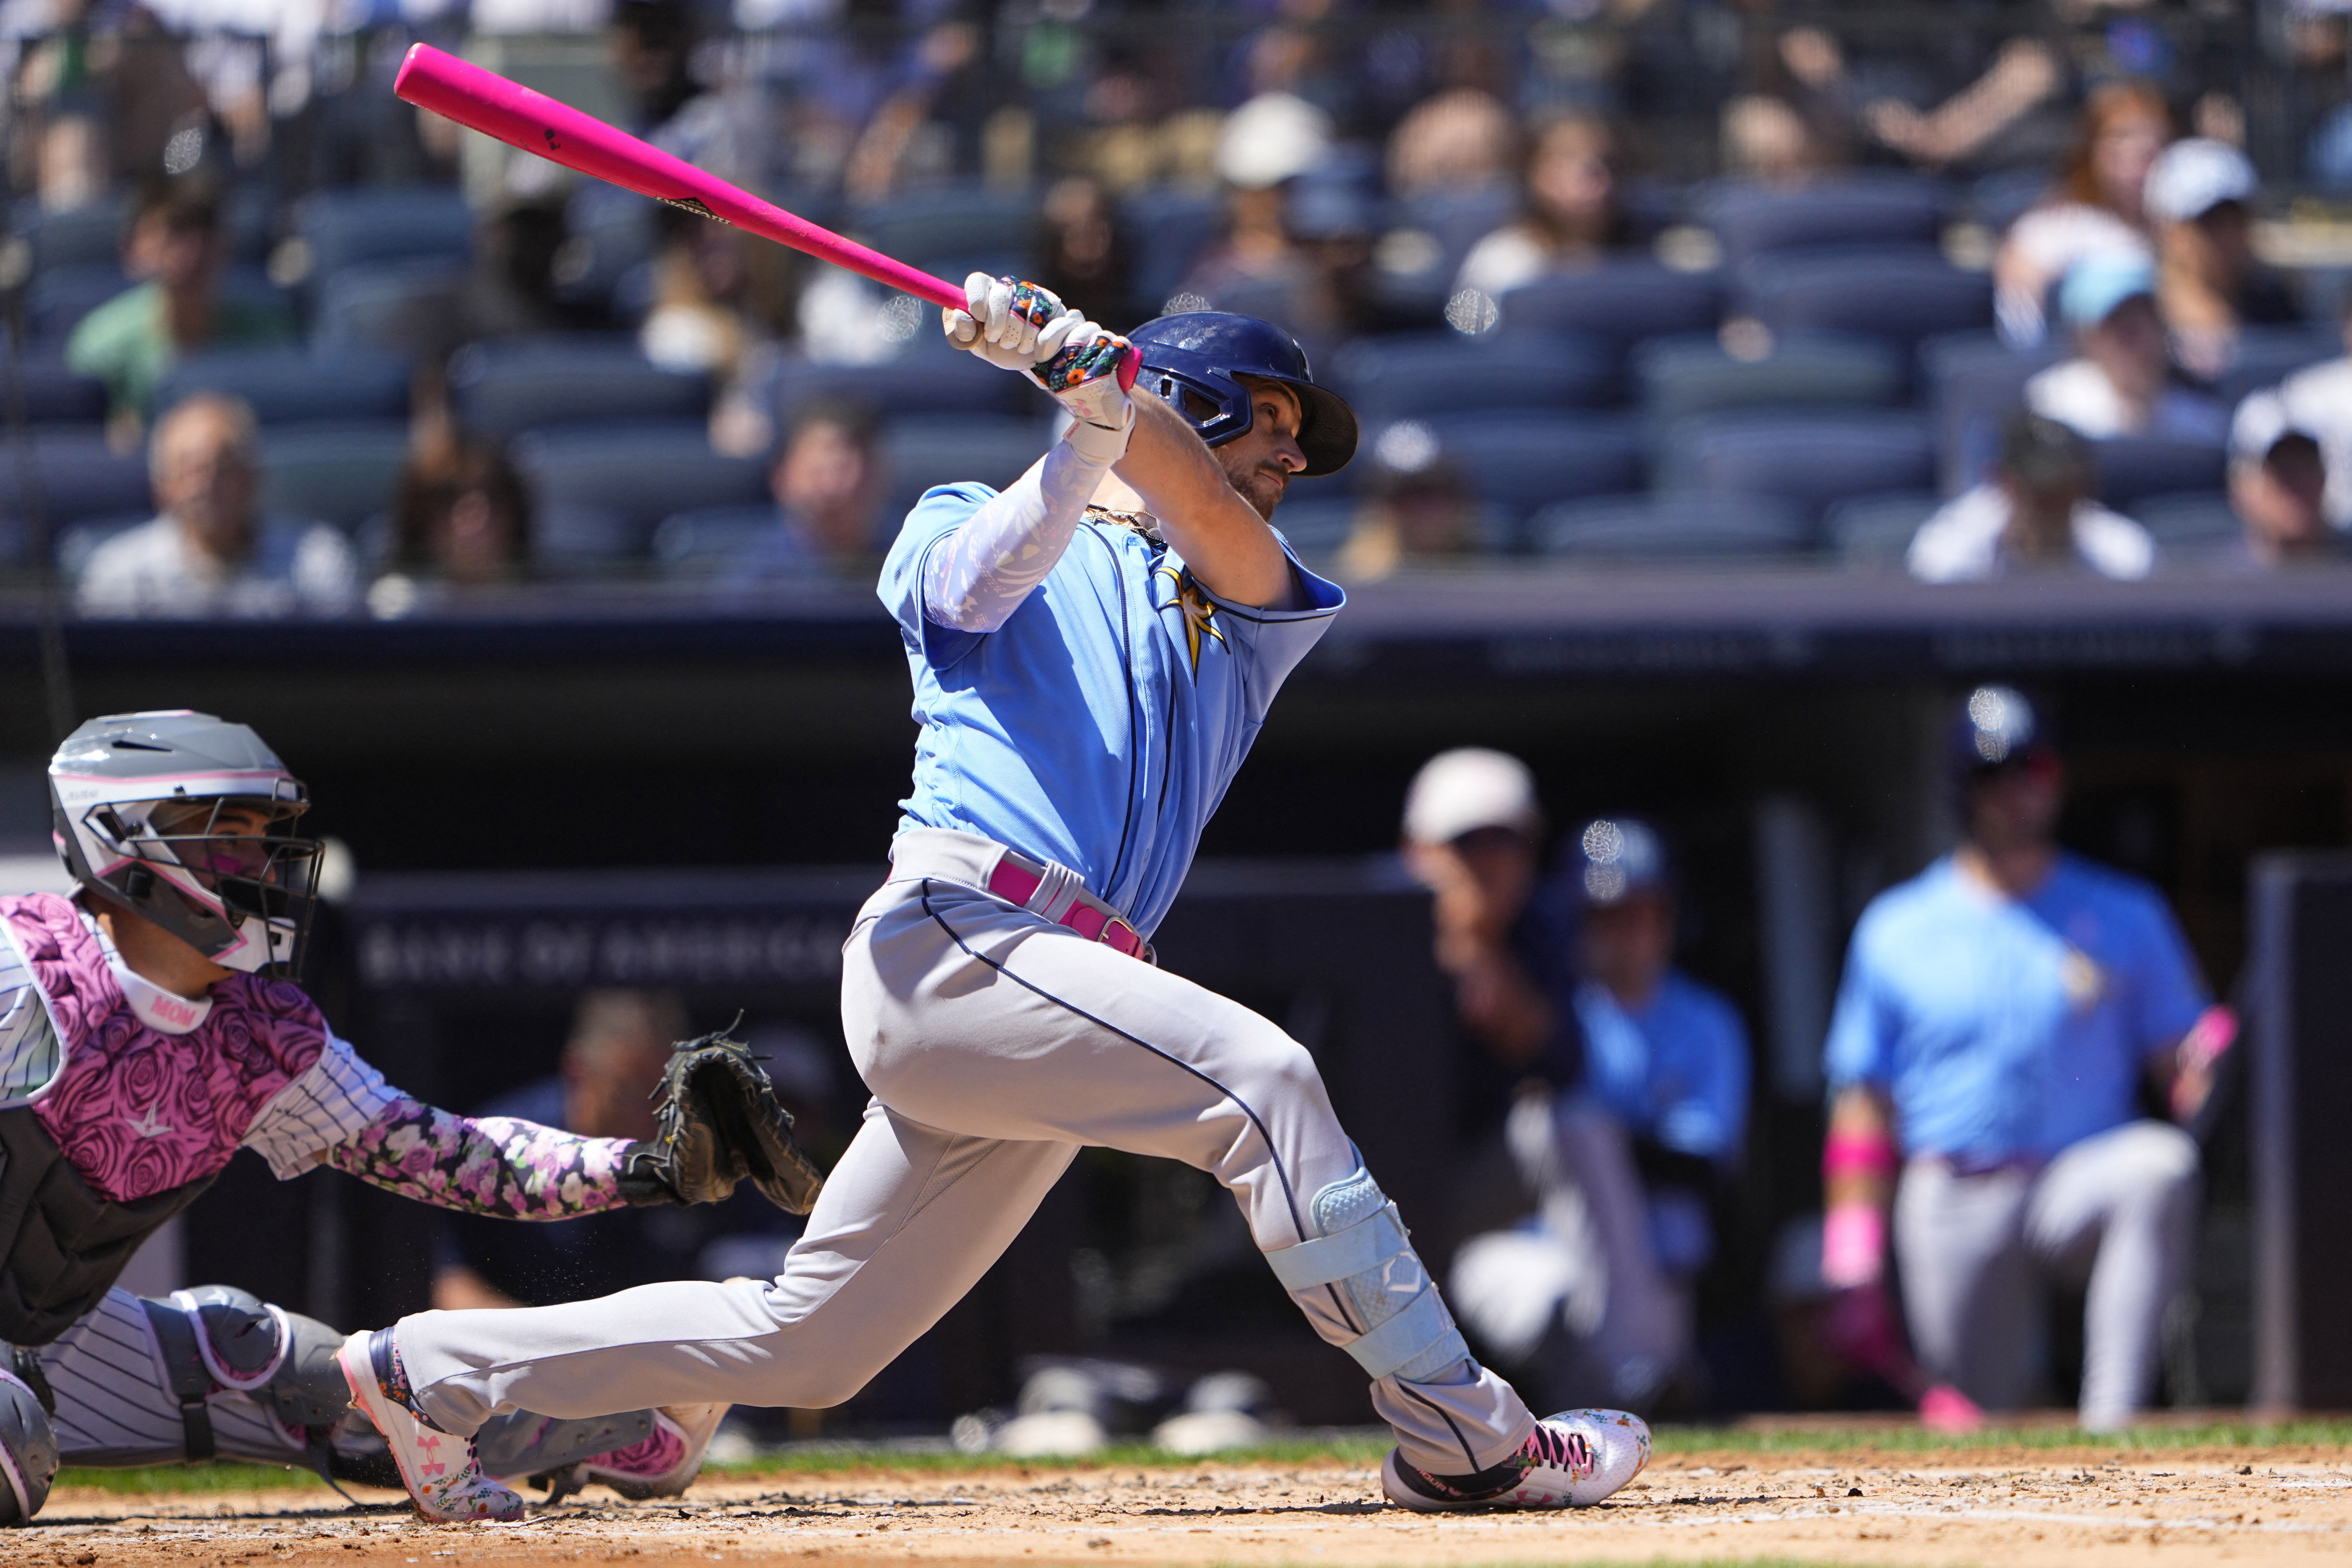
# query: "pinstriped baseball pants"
x,y
997,1046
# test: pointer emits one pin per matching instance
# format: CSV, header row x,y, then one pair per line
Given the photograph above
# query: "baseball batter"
x,y
149,1029
1093,651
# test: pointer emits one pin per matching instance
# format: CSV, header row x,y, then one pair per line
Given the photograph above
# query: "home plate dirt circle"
x,y
2010,1507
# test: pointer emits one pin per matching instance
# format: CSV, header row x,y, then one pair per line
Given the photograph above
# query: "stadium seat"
x,y
290,386
2192,522
506,386
1168,228
952,224
2133,468
1999,200
699,543
339,474
77,477
1622,302
611,232
1970,383
1873,533
1751,219
1899,294
53,394
925,449
1681,376
1671,526
74,236
384,223
1520,463
405,307
1429,373
2268,355
600,490
59,297
918,381
1809,460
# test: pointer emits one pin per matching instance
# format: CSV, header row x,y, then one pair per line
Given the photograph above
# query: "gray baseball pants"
x,y
996,1044
2115,1211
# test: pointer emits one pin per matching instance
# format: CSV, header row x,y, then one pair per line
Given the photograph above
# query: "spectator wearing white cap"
x,y
2319,400
1472,832
2122,381
2278,482
2199,195
2034,513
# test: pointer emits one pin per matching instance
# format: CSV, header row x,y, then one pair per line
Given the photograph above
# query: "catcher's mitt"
x,y
720,1121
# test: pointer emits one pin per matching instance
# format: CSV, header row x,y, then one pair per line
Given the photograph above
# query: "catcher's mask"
x,y
157,812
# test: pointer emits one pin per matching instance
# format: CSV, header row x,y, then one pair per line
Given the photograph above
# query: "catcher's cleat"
x,y
662,1465
1572,1460
443,1480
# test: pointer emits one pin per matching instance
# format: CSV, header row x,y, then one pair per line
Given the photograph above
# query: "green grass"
x,y
1833,1444
1897,1439
223,1475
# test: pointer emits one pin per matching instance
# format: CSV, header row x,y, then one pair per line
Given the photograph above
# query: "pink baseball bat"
x,y
489,103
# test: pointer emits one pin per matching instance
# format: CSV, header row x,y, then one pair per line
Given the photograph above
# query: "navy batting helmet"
x,y
1190,360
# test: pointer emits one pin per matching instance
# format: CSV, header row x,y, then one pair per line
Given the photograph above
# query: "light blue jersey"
x,y
1673,1071
2007,1027
1098,727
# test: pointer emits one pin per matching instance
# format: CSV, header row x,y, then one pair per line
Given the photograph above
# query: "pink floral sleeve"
x,y
492,1165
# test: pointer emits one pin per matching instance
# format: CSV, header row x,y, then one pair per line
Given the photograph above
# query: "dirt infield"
x,y
2022,1505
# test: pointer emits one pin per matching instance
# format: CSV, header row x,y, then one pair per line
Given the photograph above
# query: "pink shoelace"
x,y
1559,1450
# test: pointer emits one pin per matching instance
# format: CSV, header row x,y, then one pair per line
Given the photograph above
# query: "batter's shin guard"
x,y
1363,1287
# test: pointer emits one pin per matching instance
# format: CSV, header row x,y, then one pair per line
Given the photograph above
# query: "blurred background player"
x,y
1593,1293
160,998
1998,1016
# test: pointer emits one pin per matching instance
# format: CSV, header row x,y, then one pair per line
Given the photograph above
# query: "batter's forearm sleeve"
x,y
977,576
493,1165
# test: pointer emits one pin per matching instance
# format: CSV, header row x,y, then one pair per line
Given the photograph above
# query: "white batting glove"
x,y
1082,375
1009,323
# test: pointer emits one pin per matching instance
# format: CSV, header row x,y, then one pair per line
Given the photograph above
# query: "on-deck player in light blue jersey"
x,y
1099,725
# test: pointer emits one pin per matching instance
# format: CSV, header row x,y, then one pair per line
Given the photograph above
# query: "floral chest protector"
x,y
136,1110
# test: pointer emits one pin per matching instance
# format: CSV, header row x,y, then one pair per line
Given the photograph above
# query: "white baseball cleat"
x,y
443,1480
1572,1460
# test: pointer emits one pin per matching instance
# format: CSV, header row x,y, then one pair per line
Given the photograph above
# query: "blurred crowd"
x,y
1964,291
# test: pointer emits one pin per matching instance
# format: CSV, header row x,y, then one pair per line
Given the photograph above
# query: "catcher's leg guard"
x,y
28,1449
1364,1288
217,1337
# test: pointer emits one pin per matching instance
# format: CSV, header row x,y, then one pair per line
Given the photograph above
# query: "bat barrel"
x,y
514,114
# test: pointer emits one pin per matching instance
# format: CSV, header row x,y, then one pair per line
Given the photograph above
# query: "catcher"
x,y
149,1029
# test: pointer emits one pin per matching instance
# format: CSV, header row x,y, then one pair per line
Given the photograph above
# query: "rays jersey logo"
x,y
1199,614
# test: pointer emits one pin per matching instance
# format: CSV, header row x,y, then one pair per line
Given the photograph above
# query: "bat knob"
x,y
1129,363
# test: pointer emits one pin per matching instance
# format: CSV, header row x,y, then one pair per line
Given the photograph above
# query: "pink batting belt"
x,y
1015,885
